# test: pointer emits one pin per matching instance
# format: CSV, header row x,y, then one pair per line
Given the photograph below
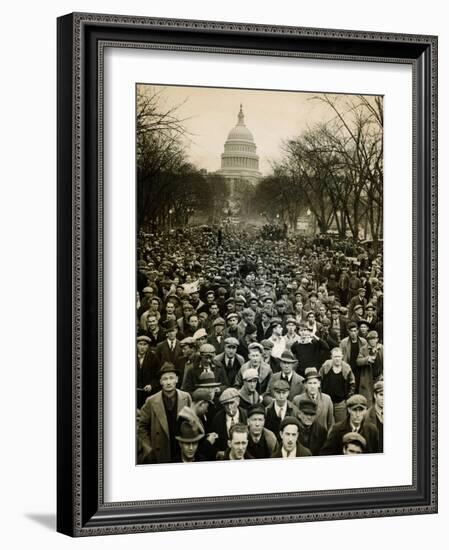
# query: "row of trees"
x,y
170,189
334,170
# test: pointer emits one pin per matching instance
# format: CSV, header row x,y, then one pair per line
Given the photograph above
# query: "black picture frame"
x,y
81,510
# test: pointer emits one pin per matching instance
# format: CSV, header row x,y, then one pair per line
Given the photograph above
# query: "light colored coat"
x,y
153,432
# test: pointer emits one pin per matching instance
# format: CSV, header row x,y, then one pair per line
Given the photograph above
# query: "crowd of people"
x,y
251,348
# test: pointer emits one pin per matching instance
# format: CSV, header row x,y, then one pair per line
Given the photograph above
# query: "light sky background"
x,y
271,116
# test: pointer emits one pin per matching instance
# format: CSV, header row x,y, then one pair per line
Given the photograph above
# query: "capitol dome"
x,y
240,159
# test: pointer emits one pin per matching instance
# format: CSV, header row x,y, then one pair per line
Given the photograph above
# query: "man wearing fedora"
x,y
295,381
261,442
197,416
280,407
169,350
188,439
312,391
311,433
230,415
355,421
255,361
158,418
290,446
229,360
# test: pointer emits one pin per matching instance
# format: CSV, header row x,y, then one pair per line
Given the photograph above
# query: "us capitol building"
x,y
240,161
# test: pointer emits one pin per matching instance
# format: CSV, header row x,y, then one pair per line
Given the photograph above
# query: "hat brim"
x,y
208,385
189,439
288,360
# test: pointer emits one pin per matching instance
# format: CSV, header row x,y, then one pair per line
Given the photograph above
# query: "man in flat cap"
x,y
375,413
311,433
354,422
338,325
158,419
217,339
288,365
280,407
273,362
229,360
232,321
353,443
169,350
351,347
149,326
248,392
261,442
147,370
205,364
291,336
230,414
290,446
188,359
237,444
312,391
370,365
358,301
255,361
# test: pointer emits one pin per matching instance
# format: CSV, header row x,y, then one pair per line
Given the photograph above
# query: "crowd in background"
x,y
254,347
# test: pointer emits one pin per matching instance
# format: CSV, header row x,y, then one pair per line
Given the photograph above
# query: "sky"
x,y
271,116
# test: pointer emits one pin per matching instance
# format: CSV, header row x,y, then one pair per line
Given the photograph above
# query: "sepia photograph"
x,y
259,274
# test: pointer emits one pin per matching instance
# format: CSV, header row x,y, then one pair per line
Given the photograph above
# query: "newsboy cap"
x,y
255,345
256,409
231,341
281,385
378,386
250,374
354,437
357,401
143,339
218,321
372,334
189,341
267,344
207,349
228,395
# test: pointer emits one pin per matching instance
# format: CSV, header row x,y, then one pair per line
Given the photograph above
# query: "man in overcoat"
x,y
354,422
158,419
